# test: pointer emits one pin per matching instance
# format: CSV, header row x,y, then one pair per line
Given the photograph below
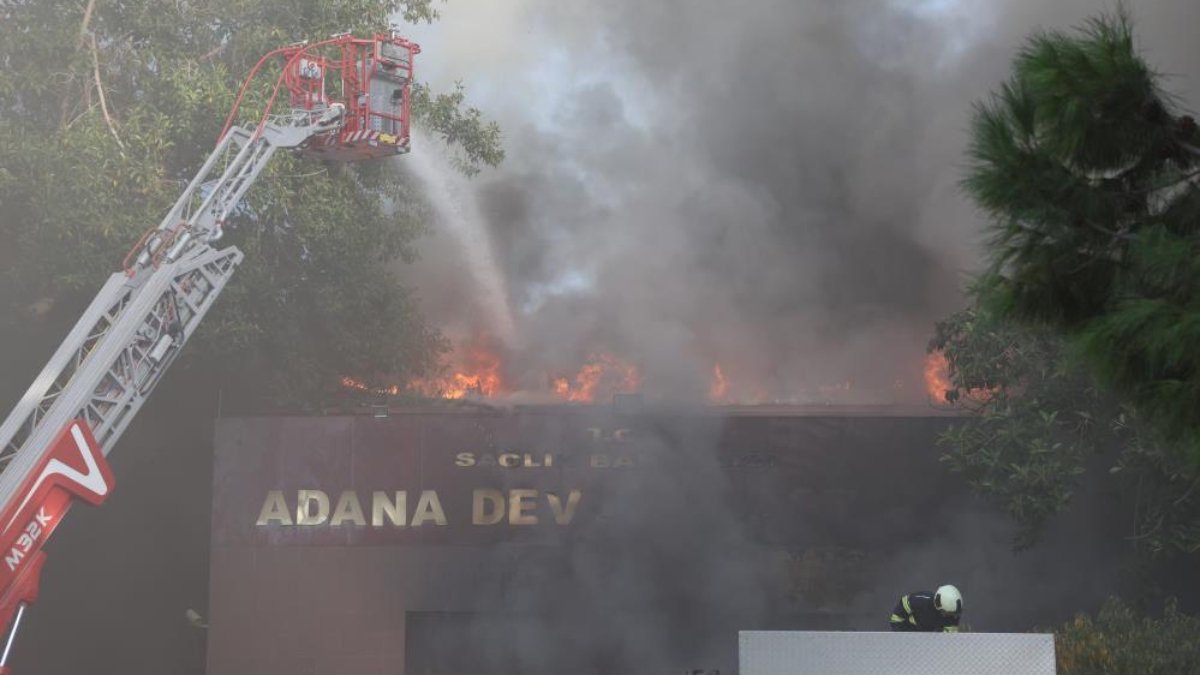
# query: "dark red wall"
x,y
683,524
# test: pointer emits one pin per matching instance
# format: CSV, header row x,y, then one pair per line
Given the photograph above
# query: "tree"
x,y
108,108
1090,175
1120,641
1040,420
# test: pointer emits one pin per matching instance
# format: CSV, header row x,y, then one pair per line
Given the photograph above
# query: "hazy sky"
x,y
770,185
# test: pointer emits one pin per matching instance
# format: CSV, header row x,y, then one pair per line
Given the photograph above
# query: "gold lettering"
x,y
481,512
520,501
619,435
274,508
509,460
428,508
348,508
380,505
464,459
562,515
548,460
304,501
594,432
530,462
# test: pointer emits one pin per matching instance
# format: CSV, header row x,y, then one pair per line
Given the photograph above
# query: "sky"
x,y
769,186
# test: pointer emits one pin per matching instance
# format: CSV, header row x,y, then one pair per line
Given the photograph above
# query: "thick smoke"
x,y
1076,565
659,576
672,557
771,186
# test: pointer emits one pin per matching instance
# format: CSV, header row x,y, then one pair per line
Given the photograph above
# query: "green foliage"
x,y
478,141
1121,641
1090,176
1039,420
106,111
1034,422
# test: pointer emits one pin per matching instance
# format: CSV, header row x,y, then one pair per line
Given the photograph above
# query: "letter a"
x,y
428,508
274,508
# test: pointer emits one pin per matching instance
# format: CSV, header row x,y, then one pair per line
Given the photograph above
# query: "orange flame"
x,y
479,374
937,376
351,383
602,372
719,387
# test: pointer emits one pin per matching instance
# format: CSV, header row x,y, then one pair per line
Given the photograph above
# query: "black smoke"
x,y
768,185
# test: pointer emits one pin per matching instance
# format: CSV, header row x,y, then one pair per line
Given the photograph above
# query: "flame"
x,y
722,389
478,371
938,384
718,389
478,374
937,376
351,383
602,372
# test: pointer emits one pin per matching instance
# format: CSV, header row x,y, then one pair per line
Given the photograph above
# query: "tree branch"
x,y
100,91
214,51
87,20
1188,493
1103,230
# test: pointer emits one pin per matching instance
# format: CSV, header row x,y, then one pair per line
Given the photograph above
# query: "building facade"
x,y
558,539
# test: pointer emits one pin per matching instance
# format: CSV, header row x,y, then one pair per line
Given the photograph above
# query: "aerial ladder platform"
x,y
348,99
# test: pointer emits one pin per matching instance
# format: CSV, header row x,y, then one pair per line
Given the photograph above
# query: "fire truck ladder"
x,y
133,330
54,443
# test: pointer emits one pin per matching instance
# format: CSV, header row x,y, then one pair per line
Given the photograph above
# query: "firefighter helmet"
x,y
948,600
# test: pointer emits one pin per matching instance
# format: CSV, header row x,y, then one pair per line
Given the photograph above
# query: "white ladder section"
x,y
116,354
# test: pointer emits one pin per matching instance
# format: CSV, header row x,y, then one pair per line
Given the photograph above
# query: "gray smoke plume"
x,y
698,539
767,185
657,575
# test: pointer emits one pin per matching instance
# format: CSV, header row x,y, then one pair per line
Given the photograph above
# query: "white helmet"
x,y
948,600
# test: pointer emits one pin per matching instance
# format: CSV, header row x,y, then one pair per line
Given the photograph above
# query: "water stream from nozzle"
x,y
459,215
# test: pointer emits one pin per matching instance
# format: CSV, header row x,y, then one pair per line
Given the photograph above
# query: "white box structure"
x,y
844,653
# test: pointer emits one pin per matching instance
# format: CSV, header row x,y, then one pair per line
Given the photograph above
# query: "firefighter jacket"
x,y
915,612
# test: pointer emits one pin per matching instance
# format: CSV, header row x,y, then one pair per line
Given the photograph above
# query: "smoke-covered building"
x,y
579,539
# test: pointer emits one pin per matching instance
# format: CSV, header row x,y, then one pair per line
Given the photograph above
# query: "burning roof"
x,y
480,369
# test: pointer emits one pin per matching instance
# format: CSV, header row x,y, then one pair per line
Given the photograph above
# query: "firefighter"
x,y
926,612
